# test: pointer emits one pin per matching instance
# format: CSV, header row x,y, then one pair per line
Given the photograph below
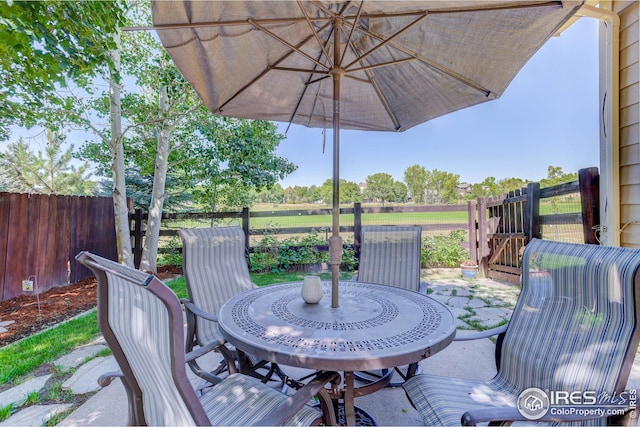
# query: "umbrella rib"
x,y
309,81
372,81
315,33
353,27
431,64
386,41
299,70
258,77
381,64
217,24
287,44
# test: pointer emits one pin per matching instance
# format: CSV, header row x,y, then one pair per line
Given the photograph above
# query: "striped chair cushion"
x,y
238,401
442,400
572,329
145,337
141,323
390,255
215,270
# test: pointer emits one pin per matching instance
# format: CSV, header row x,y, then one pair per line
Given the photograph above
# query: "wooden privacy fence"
x,y
500,227
40,236
244,216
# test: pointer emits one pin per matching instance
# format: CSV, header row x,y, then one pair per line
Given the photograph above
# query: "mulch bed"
x,y
31,314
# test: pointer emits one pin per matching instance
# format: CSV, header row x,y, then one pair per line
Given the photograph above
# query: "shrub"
x,y
444,251
293,253
173,256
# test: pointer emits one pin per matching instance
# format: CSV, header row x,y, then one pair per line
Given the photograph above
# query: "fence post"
x,y
589,199
483,237
357,228
532,227
245,227
137,237
473,230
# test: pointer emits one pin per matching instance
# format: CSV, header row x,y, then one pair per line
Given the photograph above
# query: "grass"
x,y
179,286
547,207
5,412
25,356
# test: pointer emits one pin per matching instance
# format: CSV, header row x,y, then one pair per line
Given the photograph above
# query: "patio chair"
x,y
390,255
142,322
573,329
215,269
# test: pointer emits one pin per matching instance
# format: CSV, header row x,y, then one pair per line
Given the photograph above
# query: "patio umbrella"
x,y
369,65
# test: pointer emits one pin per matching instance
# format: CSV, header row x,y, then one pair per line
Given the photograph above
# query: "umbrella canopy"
x,y
369,65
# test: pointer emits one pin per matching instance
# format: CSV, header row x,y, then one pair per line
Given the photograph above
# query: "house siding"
x,y
629,122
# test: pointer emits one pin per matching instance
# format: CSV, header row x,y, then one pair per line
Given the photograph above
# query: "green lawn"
x,y
18,360
459,217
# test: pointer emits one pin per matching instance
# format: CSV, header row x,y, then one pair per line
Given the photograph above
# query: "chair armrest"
x,y
106,378
280,414
492,414
198,311
482,334
201,351
423,288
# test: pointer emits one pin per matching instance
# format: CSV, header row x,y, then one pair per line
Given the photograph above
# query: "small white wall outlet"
x,y
27,285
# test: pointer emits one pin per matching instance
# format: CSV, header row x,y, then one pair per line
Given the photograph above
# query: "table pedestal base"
x,y
363,418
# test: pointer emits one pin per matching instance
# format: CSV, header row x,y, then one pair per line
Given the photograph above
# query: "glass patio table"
x,y
376,327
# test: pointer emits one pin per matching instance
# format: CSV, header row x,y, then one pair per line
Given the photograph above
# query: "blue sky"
x,y
547,116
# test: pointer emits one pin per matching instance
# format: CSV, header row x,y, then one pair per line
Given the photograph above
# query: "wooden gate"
x,y
502,226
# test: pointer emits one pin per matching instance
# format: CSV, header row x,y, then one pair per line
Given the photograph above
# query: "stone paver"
x,y
78,356
463,297
85,379
18,394
4,324
35,415
476,303
458,302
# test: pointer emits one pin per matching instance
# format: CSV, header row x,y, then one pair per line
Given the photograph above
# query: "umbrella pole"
x,y
335,245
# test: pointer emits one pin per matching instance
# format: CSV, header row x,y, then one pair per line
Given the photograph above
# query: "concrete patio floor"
x,y
479,302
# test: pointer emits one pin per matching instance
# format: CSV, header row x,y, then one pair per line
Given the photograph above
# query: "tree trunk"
x,y
121,210
152,235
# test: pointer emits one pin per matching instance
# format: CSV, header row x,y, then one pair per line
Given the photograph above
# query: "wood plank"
x,y
407,209
17,269
62,232
628,75
557,219
497,252
505,269
51,227
630,174
560,189
506,235
628,11
630,194
630,155
42,239
630,134
629,95
629,115
5,262
30,243
504,277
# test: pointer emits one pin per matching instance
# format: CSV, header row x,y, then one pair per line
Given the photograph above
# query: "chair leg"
x,y
403,372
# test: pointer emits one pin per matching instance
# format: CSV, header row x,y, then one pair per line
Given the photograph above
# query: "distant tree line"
x,y
420,186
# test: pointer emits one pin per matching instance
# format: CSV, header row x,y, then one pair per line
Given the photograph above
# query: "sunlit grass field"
x,y
547,207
